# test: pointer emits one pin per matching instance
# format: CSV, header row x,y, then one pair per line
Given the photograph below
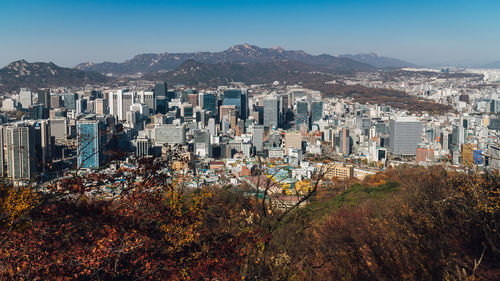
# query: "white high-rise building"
x,y
120,102
25,98
20,144
147,98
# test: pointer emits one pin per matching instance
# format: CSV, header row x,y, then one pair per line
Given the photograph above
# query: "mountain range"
x,y
39,74
194,73
245,53
379,61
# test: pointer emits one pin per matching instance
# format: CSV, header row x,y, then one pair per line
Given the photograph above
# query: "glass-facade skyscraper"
x,y
316,110
88,144
238,98
271,112
301,114
210,103
70,100
160,89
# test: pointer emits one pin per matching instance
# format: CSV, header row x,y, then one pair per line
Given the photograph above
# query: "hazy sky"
x,y
68,32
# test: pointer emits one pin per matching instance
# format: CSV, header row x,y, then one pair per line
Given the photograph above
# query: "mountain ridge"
x,y
194,73
150,63
34,75
379,61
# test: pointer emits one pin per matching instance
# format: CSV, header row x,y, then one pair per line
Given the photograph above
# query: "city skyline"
x,y
425,33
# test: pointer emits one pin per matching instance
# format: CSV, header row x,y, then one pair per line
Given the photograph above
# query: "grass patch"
x,y
352,197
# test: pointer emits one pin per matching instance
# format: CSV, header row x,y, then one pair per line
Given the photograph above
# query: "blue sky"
x,y
69,32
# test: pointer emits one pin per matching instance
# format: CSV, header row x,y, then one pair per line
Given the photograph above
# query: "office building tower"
x,y
81,106
495,106
25,98
132,119
141,108
364,124
225,110
494,156
301,114
238,98
70,101
293,140
201,142
193,99
9,105
457,136
297,94
162,105
210,103
316,110
143,147
212,127
90,106
43,144
89,144
58,128
405,133
120,102
225,124
56,101
148,98
20,147
170,134
38,111
258,137
161,89
345,142
44,97
3,150
101,106
187,112
271,112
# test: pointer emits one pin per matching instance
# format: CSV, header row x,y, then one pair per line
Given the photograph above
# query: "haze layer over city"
x,y
249,140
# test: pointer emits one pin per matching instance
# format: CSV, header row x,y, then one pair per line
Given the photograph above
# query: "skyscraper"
x,y
210,103
101,106
42,144
70,100
147,97
81,106
20,144
201,140
143,146
238,98
345,142
271,112
44,97
258,137
301,114
55,101
120,102
405,133
316,110
160,89
212,127
89,144
25,98
187,112
193,99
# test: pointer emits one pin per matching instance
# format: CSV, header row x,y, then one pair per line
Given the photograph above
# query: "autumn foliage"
x,y
401,224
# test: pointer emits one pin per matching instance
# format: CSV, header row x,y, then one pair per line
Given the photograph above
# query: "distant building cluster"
x,y
49,132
